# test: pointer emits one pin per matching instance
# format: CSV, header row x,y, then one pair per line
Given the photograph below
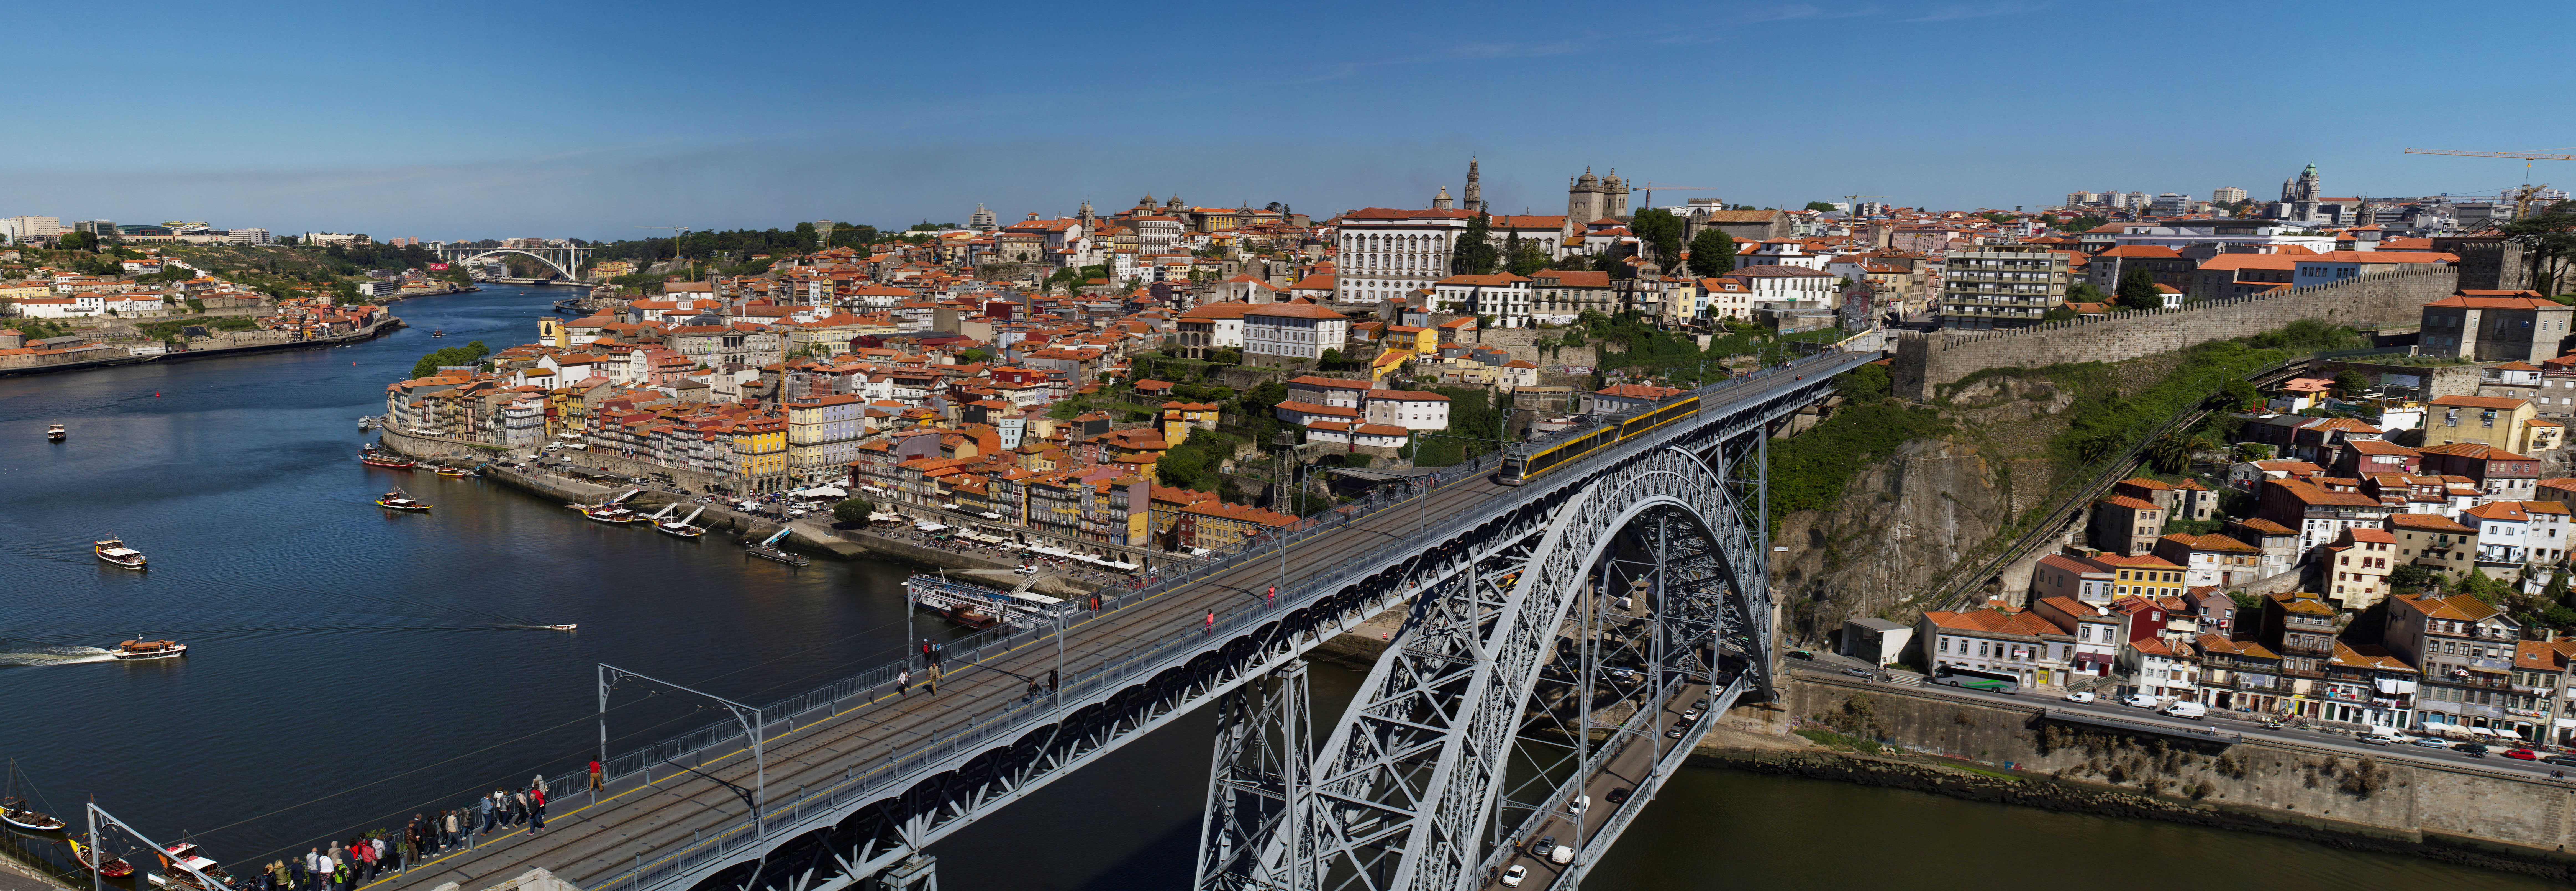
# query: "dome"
x,y
1587,179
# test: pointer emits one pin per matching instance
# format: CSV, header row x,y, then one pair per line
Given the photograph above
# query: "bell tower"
x,y
1475,195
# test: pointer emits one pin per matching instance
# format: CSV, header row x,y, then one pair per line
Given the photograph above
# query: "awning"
x,y
1114,564
929,527
1051,552
2564,723
2395,685
989,515
885,518
827,492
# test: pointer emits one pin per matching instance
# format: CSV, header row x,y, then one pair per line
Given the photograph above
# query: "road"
x,y
1829,668
590,843
1622,770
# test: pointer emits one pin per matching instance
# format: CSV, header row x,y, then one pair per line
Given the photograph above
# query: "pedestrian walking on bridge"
x,y
487,804
594,774
902,679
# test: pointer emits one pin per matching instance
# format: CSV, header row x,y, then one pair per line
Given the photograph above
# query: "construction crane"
x,y
1854,201
2522,197
677,233
1650,188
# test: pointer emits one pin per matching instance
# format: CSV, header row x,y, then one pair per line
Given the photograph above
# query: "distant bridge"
x,y
565,261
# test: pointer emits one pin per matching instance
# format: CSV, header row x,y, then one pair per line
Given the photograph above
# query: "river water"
x,y
350,667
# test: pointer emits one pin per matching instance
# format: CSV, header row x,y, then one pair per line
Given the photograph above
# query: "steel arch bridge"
x,y
1538,668
565,261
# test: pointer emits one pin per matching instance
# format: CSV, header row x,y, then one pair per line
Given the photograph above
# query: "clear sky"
x,y
475,120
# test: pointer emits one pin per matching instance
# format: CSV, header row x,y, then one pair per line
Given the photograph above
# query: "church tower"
x,y
1583,199
1475,191
1614,195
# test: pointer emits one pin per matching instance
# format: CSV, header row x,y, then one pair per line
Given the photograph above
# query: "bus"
x,y
1989,681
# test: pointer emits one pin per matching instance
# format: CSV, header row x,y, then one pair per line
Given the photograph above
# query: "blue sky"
x,y
467,120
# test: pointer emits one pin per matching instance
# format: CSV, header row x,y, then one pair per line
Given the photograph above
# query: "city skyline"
x,y
545,124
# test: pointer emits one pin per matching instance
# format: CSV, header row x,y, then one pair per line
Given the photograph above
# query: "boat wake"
x,y
32,653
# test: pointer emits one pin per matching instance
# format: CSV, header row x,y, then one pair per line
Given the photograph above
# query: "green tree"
x,y
2138,290
852,510
2548,239
469,354
2085,292
2408,578
1819,206
1264,398
2351,382
2237,395
1712,252
77,240
1661,232
1332,357
2083,223
1475,254
1524,257
2171,453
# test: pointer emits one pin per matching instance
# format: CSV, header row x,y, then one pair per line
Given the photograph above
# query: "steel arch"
x,y
1411,779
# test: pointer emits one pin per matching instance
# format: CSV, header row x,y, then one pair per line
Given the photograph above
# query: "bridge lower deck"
x,y
591,843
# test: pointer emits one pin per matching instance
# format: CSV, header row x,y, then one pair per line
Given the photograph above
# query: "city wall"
x,y
2503,818
1925,362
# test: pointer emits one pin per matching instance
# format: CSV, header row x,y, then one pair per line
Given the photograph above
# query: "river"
x,y
350,666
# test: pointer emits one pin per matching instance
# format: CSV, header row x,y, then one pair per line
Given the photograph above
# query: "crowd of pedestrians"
x,y
378,853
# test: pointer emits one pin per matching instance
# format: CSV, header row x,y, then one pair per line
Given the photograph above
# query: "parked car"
x,y
2473,750
1803,654
2080,696
2433,742
1861,673
2523,754
1513,877
2560,760
2139,700
2186,709
2381,738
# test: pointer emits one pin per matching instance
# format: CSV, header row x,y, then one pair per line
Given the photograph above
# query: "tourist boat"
x,y
399,500
562,627
367,423
684,528
138,650
185,854
444,470
56,433
114,868
767,549
442,332
13,809
113,552
609,511
390,462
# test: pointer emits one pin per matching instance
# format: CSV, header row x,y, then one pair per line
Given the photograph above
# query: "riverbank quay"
x,y
816,536
2023,752
407,294
372,331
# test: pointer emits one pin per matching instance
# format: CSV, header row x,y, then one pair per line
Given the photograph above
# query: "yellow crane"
x,y
2522,197
1854,200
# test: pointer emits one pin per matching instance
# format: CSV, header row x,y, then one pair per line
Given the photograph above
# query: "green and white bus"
x,y
1973,679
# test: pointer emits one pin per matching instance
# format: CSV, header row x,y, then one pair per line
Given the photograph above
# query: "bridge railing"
x,y
1088,675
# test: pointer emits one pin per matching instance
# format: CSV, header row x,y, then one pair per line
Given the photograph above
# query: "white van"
x,y
2382,738
2184,708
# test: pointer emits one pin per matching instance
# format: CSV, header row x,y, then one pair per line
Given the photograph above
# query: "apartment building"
x,y
2001,286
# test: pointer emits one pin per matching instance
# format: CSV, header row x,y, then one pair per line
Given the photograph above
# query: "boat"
x,y
562,627
442,332
138,650
767,549
367,423
399,500
114,868
444,470
389,462
14,810
56,433
684,528
113,552
609,511
185,854
976,606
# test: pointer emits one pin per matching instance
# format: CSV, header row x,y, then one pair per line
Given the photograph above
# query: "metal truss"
x,y
1580,614
1429,774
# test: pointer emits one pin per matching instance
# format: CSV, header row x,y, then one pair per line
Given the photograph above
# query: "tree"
x,y
2171,452
2238,394
1523,257
2083,223
77,240
2548,239
2085,292
1332,357
2351,382
853,510
1475,254
2409,578
2138,290
1661,232
1819,206
1712,252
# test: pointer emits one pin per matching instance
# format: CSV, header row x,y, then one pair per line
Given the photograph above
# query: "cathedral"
x,y
1590,198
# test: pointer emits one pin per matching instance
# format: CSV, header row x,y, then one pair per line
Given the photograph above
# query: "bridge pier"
x,y
919,872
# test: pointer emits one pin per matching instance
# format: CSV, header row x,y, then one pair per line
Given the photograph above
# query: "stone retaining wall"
x,y
1924,362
